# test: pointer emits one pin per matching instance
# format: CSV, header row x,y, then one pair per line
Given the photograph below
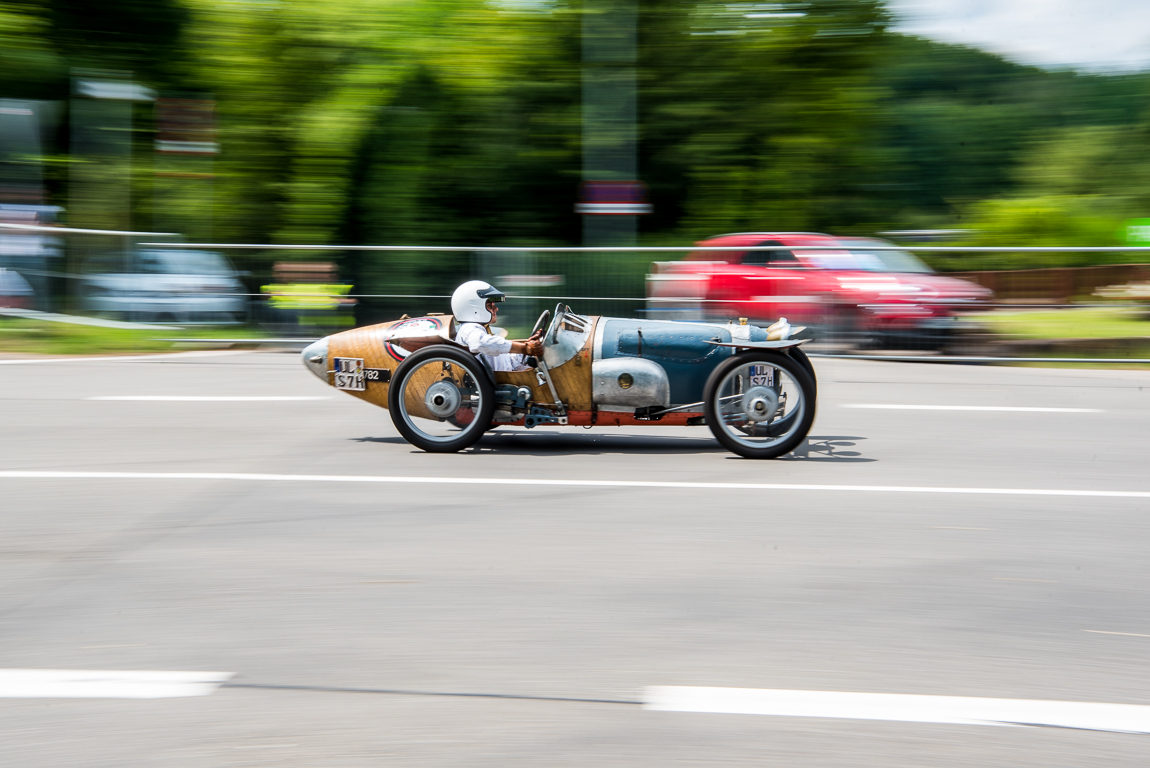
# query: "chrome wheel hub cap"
x,y
760,404
443,399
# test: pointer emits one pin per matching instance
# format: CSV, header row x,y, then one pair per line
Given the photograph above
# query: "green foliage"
x,y
18,335
29,67
960,126
757,127
1051,221
1103,323
459,122
1074,186
141,36
386,120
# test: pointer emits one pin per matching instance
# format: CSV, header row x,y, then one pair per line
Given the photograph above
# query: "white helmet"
x,y
469,302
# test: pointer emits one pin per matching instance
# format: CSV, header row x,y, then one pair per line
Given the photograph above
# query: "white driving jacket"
x,y
493,351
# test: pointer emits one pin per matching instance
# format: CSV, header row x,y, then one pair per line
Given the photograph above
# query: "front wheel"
x,y
760,404
441,399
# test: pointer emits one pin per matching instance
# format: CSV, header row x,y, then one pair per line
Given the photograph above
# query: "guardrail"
x,y
979,359
74,231
661,248
580,273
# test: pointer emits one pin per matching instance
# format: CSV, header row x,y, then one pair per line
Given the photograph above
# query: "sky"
x,y
1099,35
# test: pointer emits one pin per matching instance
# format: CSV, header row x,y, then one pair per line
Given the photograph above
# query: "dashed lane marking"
x,y
957,710
204,398
960,528
528,481
106,683
1104,632
886,407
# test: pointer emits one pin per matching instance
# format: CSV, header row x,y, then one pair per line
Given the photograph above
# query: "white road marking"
x,y
960,528
1104,632
127,358
958,710
530,481
203,398
886,407
106,683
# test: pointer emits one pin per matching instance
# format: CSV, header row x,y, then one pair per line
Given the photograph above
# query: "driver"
x,y
474,307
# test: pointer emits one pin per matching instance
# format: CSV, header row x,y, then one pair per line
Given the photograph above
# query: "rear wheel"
x,y
783,424
760,404
441,399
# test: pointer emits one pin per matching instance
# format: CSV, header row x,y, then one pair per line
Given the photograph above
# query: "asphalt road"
x,y
432,624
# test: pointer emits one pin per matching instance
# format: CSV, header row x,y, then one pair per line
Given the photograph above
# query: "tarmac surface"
x,y
419,623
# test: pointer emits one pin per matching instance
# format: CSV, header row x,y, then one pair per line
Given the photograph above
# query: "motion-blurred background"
x,y
518,123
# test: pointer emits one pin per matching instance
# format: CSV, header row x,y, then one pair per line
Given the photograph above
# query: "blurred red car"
x,y
844,293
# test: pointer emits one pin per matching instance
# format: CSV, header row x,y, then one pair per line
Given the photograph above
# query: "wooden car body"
x,y
604,370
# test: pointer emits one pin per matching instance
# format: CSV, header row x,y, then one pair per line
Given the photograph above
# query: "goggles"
x,y
491,294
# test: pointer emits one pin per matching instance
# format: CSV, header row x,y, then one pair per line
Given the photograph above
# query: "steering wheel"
x,y
557,323
542,322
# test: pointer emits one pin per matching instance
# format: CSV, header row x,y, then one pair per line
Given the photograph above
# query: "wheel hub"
x,y
443,399
760,404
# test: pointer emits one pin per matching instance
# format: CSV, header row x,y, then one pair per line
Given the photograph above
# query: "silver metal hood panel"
x,y
648,383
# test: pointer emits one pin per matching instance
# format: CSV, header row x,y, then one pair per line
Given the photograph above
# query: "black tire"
x,y
475,374
792,428
798,355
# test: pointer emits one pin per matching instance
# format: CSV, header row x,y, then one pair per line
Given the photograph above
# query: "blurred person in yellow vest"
x,y
307,296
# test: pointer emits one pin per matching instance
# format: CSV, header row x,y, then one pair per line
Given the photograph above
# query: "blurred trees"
x,y
143,36
459,122
385,120
758,119
30,67
1017,154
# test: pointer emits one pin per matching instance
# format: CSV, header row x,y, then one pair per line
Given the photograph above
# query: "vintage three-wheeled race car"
x,y
752,386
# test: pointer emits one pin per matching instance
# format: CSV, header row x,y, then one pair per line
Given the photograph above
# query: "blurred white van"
x,y
163,286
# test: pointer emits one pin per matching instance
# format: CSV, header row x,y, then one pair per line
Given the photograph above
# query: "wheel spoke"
x,y
760,409
440,401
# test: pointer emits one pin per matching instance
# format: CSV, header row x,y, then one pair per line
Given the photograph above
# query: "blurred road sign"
x,y
116,90
1138,232
529,281
186,127
618,198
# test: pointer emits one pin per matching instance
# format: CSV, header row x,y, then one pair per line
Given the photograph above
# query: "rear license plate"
x,y
762,376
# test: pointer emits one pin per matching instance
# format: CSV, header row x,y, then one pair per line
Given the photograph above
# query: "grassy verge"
x,y
19,335
1091,323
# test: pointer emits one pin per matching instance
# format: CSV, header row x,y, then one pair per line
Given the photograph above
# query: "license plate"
x,y
349,374
762,376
